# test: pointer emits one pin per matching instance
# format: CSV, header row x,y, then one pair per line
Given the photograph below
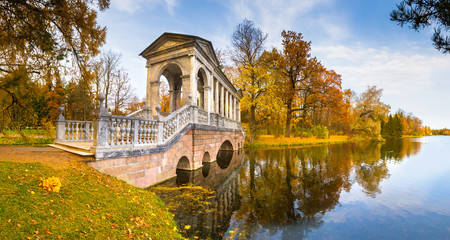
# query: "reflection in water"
x,y
291,193
207,214
224,158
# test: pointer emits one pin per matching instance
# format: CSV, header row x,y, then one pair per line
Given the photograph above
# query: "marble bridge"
x,y
149,146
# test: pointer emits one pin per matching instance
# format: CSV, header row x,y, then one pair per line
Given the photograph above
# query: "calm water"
x,y
394,190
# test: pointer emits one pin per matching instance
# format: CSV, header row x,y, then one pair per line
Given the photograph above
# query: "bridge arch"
x,y
172,71
225,154
202,83
226,145
184,164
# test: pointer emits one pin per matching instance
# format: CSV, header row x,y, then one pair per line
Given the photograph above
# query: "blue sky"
x,y
353,37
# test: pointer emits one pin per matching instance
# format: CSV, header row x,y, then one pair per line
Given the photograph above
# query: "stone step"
x,y
83,146
74,150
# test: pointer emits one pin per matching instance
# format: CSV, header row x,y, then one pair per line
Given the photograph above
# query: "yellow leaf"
x,y
187,227
52,184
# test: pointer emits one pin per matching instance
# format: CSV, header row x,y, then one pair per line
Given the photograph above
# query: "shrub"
x,y
320,131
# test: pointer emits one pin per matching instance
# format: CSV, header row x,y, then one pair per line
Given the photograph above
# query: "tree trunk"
x,y
252,124
288,118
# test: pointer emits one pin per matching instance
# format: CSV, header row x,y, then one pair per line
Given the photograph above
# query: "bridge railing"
x,y
75,131
110,131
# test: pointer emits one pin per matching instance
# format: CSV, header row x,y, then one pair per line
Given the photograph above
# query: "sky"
x,y
355,38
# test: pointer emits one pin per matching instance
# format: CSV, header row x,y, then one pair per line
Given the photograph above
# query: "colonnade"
x,y
224,102
192,69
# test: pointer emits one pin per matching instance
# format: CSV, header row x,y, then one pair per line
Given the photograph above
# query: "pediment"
x,y
208,50
168,41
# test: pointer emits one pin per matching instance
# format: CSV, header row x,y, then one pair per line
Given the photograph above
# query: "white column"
x,y
222,100
216,89
239,111
234,109
226,104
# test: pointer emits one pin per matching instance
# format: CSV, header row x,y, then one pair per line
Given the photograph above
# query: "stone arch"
x,y
206,157
225,154
202,82
183,164
172,72
226,145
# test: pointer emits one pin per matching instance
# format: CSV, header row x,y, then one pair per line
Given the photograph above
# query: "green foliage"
x,y
420,14
320,132
89,205
368,114
393,128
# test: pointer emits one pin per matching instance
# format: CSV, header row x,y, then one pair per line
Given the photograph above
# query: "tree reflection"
x,y
290,190
284,191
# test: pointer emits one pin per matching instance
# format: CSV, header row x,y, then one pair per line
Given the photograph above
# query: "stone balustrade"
x,y
109,131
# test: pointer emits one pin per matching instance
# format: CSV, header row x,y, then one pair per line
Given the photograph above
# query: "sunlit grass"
x,y
88,205
27,137
270,140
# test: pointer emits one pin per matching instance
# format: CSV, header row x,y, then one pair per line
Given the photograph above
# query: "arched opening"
x,y
183,173
226,146
164,95
225,154
206,164
183,164
170,88
201,80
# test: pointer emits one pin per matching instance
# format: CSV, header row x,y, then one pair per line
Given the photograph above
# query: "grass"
x,y
272,141
27,137
89,205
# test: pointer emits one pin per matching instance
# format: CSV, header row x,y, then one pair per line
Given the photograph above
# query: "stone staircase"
x,y
79,148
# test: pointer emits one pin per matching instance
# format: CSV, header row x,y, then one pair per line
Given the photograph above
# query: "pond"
x,y
399,189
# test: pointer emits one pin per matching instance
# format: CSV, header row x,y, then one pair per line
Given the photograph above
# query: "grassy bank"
x,y
272,141
27,137
89,205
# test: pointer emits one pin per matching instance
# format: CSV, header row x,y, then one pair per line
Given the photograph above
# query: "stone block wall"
x,y
149,169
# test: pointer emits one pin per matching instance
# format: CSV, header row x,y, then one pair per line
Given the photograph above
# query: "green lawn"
x,y
89,205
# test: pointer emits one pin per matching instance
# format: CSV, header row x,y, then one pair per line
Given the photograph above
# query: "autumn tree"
x,y
330,105
420,14
164,96
291,63
369,112
37,35
122,93
109,67
247,47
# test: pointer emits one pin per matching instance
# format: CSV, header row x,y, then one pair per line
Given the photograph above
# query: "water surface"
x,y
399,189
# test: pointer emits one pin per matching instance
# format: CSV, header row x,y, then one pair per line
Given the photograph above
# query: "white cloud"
x,y
415,81
396,72
272,16
132,6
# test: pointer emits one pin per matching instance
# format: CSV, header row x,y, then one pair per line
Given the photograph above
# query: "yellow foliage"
x,y
52,184
270,140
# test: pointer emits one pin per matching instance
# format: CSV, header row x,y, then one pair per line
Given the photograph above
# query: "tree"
x,y
43,29
109,69
424,13
37,35
164,96
123,92
248,46
369,112
295,66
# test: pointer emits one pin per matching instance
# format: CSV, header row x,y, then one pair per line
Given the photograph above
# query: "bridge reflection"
x,y
211,219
